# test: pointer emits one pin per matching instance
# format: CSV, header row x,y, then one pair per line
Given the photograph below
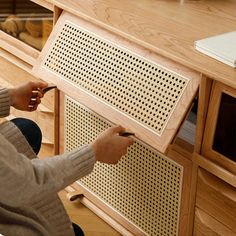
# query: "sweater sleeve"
x,y
23,179
4,102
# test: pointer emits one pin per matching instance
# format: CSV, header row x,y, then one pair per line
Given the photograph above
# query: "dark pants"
x,y
31,131
33,135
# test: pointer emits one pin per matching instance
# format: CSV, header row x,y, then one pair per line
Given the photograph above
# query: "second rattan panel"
x,y
144,187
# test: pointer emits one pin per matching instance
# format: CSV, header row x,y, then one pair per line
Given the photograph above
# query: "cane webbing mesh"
x,y
145,91
145,186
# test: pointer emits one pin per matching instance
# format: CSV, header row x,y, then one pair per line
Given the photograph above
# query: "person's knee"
x,y
31,131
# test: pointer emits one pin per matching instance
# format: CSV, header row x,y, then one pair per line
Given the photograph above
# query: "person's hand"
x,y
27,97
109,147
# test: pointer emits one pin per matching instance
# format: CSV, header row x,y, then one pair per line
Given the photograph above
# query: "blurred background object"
x,y
27,21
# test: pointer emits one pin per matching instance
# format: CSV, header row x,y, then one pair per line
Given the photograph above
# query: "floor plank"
x,y
91,224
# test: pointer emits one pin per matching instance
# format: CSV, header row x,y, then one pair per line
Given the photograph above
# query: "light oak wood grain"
x,y
15,60
216,198
91,224
18,48
164,31
110,212
12,75
168,28
44,3
205,225
203,103
215,169
207,148
188,189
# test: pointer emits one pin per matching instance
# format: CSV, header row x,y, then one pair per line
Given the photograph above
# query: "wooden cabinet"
x,y
220,135
133,63
109,80
146,192
44,116
24,29
216,189
217,199
205,225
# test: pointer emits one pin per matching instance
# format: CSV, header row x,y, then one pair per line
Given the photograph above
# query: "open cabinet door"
x,y
118,79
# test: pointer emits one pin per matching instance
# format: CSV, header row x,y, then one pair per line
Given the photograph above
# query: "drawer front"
x,y
206,225
217,198
144,187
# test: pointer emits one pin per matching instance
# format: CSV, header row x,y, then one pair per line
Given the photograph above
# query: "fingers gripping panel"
x,y
144,187
139,88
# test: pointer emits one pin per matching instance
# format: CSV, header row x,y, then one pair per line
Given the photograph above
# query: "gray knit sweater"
x,y
29,204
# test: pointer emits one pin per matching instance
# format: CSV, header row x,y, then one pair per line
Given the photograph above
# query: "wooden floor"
x,y
91,224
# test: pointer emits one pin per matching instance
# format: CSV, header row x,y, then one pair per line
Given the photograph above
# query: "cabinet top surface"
x,y
166,27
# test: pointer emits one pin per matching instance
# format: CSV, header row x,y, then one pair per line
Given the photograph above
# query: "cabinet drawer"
x,y
207,225
217,198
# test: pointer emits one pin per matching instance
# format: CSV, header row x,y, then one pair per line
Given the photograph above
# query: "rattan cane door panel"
x,y
144,187
104,71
